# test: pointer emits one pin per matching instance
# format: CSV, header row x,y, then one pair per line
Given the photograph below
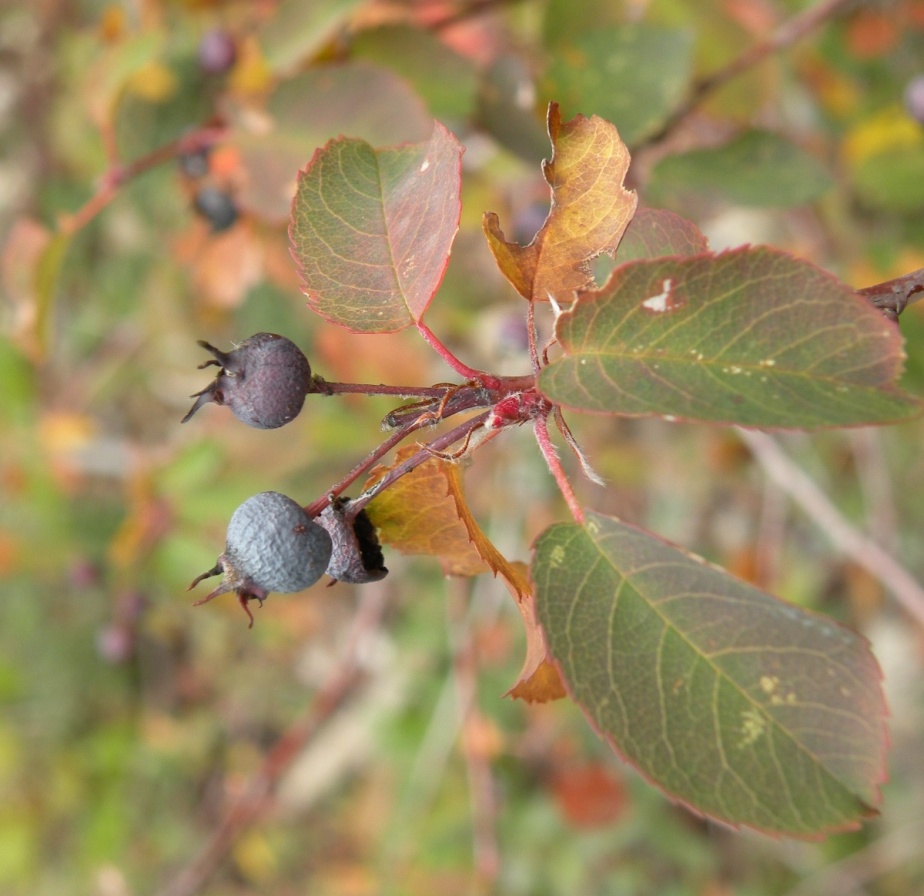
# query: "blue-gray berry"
x,y
271,545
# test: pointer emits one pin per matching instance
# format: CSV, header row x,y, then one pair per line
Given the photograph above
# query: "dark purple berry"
x,y
271,545
217,52
263,381
357,555
217,207
194,163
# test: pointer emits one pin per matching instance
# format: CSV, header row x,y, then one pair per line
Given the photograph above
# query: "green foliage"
x,y
739,705
712,338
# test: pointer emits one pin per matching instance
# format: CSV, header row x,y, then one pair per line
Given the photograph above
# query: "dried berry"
x,y
263,381
357,555
271,545
217,207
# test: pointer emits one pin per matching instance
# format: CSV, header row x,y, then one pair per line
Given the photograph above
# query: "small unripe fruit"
x,y
357,555
263,381
271,545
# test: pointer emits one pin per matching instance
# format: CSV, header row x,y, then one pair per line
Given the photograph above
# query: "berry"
x,y
217,207
271,545
194,163
357,555
217,52
263,381
914,98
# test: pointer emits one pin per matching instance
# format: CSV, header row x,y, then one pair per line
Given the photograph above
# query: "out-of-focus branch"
x,y
802,489
252,803
784,36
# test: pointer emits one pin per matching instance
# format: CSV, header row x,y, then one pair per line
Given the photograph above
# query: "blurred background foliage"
x,y
130,722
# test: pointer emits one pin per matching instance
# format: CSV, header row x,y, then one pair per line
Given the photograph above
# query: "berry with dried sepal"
x,y
263,381
271,545
357,555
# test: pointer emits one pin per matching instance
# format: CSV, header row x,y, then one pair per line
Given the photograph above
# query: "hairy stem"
x,y
469,373
362,467
541,427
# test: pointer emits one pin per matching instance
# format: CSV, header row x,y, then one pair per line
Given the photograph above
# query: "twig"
x,y
784,36
247,809
118,175
457,434
802,489
480,783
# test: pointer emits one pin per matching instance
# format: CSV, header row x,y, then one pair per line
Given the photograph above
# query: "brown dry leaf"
x,y
590,211
425,512
538,681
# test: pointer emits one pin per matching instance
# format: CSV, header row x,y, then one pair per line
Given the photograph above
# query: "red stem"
x,y
363,466
469,373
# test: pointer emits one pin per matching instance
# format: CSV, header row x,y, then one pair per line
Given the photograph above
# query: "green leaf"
x,y
445,80
507,111
656,232
757,168
358,98
372,229
298,30
633,75
744,708
652,233
752,337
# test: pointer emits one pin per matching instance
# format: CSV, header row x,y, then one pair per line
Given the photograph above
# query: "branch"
x,y
784,36
118,175
891,296
861,549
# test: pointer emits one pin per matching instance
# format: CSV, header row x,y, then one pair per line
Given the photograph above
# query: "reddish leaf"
x,y
589,796
372,229
357,98
752,336
590,210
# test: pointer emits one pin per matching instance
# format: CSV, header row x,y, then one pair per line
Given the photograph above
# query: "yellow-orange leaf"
x,y
425,512
419,515
589,213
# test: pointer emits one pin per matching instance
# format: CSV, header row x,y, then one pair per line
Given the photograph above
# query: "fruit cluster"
x,y
273,543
